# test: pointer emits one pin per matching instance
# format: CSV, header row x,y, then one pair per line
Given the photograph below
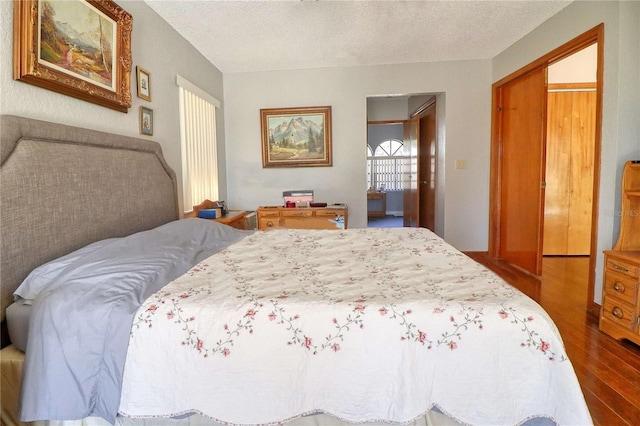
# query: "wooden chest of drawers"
x,y
620,314
302,218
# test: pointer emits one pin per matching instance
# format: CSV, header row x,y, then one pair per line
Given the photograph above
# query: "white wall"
x,y
378,133
580,67
157,48
387,108
467,85
621,97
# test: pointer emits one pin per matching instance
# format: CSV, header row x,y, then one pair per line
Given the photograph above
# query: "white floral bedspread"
x,y
364,324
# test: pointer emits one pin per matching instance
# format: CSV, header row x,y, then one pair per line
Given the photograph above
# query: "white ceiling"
x,y
239,36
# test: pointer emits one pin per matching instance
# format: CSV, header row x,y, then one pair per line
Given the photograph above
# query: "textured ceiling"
x,y
239,36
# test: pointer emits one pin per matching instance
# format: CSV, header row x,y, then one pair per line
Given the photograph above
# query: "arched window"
x,y
385,166
390,148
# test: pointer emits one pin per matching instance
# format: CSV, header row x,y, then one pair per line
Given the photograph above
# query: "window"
x,y
198,144
385,166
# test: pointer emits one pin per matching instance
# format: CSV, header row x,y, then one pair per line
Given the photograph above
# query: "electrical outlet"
x,y
461,164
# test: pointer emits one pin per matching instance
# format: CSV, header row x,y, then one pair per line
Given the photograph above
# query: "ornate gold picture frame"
x,y
296,137
80,48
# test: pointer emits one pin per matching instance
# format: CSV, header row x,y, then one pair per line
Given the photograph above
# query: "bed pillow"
x,y
197,233
18,324
44,274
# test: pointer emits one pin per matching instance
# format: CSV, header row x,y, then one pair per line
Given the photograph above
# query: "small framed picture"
x,y
146,121
144,83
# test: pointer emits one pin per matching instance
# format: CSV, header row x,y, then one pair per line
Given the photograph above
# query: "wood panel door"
x,y
411,195
427,168
521,105
558,174
569,172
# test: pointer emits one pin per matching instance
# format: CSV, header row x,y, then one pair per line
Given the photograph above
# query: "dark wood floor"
x,y
608,370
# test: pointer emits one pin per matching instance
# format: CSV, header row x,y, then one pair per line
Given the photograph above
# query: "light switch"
x,y
461,164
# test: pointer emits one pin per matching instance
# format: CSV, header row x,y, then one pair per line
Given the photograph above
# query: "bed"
x,y
137,317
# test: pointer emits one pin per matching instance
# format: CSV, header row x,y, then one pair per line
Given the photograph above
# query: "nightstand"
x,y
381,199
233,218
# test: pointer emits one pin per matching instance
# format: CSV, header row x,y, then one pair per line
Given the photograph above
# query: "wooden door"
x,y
427,168
582,171
558,174
569,171
411,194
521,109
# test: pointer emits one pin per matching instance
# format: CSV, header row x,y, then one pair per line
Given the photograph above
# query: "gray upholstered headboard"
x,y
63,187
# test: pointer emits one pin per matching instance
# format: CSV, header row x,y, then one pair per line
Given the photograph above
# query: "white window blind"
x,y
199,148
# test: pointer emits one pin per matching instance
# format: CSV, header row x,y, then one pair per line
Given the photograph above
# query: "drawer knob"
x,y
618,287
270,224
619,268
617,312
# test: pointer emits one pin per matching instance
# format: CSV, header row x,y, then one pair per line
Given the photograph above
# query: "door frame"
x,y
411,174
594,35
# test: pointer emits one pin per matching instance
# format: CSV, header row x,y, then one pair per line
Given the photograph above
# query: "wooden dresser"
x,y
620,313
302,217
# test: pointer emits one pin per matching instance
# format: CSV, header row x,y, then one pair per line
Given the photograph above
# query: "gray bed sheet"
x,y
81,319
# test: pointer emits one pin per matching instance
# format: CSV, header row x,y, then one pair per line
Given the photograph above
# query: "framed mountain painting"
x,y
296,137
80,48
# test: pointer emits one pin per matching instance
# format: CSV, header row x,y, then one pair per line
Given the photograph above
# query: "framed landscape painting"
x,y
296,137
80,48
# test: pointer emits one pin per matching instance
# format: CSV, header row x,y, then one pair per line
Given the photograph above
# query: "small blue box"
x,y
208,213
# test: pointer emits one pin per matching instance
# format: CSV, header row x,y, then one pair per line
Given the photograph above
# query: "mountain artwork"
x,y
296,137
77,39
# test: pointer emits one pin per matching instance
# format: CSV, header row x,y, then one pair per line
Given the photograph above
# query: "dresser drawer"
x,y
270,213
297,213
269,223
619,312
330,212
621,286
622,266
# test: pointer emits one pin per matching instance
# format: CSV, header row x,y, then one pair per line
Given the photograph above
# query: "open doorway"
x,y
385,165
570,152
520,155
570,166
403,178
